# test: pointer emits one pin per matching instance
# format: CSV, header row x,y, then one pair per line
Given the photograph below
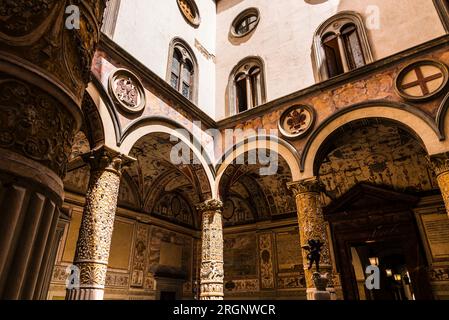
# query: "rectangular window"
x,y
186,90
242,101
174,81
333,57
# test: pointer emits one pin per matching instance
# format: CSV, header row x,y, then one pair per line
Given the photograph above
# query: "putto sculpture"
x,y
314,255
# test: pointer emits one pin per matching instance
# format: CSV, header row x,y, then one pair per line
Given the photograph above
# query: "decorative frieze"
x,y
35,125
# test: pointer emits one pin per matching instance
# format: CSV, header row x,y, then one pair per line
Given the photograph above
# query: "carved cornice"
x,y
439,163
305,186
210,205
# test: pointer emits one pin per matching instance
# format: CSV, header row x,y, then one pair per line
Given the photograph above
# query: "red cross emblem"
x,y
422,81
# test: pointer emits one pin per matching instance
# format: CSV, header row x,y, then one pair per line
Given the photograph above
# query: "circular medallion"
x,y
127,91
422,80
297,121
190,11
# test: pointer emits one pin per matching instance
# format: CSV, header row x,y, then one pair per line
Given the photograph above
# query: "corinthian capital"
x,y
107,159
305,186
210,205
439,163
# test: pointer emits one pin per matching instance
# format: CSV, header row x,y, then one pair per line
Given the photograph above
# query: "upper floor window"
x,y
340,45
245,22
442,7
182,69
110,17
247,86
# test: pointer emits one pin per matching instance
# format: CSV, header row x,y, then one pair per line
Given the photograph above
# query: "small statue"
x,y
314,255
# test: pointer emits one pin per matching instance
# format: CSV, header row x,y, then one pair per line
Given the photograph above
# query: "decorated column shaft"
x,y
312,227
440,165
94,240
212,271
45,62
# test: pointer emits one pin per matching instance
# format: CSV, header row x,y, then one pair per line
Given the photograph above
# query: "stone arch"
x,y
92,122
442,118
416,121
161,125
105,109
267,142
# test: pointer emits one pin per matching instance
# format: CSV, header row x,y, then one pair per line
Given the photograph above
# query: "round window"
x,y
190,11
245,22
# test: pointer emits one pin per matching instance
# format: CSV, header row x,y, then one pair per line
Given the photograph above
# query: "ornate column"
x,y
312,227
95,235
440,165
212,272
44,69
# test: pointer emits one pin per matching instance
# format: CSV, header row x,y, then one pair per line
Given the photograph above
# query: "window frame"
x,y
242,16
336,24
244,70
442,8
187,56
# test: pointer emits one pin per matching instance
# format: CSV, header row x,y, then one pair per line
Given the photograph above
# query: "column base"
x,y
85,294
314,294
211,290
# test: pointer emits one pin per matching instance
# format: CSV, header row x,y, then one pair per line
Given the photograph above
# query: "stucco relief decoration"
x,y
127,90
297,121
422,80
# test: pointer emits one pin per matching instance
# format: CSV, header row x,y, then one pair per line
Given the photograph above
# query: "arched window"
x,y
110,17
246,86
442,7
182,73
340,45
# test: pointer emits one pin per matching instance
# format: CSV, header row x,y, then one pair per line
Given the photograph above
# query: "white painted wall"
x,y
145,29
284,36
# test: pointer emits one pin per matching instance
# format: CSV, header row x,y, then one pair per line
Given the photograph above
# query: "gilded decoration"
x,y
297,121
127,90
190,12
422,80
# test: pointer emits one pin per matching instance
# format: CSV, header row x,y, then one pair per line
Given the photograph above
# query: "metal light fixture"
x,y
397,277
374,261
389,272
